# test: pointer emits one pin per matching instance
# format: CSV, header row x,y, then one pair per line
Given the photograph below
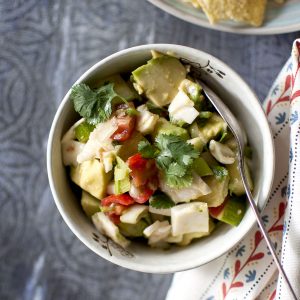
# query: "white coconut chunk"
x,y
99,141
180,100
189,217
188,114
133,214
194,191
71,148
146,120
221,152
107,227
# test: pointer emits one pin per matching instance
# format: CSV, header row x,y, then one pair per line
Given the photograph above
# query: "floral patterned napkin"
x,y
248,270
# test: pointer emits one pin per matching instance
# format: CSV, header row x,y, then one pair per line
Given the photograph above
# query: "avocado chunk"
x,y
120,86
210,160
91,177
235,183
197,143
201,167
165,127
90,204
133,230
219,191
130,146
212,127
160,79
192,89
231,211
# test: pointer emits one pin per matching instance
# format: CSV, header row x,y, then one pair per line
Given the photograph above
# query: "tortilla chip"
x,y
248,11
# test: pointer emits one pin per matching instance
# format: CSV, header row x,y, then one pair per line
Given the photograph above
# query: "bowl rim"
x,y
168,8
130,264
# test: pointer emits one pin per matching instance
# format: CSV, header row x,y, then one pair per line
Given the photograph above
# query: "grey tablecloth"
x,y
44,46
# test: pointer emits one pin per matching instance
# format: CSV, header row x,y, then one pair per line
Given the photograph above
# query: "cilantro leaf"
x,y
161,201
163,161
175,160
178,176
177,182
173,146
94,105
220,172
176,169
147,150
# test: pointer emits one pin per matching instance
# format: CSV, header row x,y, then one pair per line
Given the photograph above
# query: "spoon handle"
x,y
261,224
235,128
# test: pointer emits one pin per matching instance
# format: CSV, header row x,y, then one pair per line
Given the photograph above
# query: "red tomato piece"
x,y
123,199
144,195
114,218
215,211
142,169
144,177
136,161
118,209
125,128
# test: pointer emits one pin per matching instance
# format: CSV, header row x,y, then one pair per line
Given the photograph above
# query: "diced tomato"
x,y
125,128
142,169
144,177
136,161
114,218
215,211
115,205
153,183
144,195
123,199
118,209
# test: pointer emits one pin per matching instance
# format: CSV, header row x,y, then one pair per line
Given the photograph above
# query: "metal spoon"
x,y
236,130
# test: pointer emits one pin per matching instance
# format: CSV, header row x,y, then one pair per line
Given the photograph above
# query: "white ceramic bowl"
x,y
243,103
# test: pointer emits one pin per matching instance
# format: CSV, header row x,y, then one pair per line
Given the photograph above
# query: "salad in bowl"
x,y
153,159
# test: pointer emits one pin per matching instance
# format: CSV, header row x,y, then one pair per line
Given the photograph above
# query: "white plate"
x,y
279,18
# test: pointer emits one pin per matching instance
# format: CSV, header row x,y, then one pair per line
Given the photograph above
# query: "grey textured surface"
x,y
44,47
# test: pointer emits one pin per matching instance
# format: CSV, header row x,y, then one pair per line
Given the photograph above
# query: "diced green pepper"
x,y
82,131
121,176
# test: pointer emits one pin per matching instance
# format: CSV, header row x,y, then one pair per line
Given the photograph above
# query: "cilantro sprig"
x,y
147,150
174,157
161,201
94,105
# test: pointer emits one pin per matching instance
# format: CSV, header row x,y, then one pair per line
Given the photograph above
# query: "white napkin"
x,y
290,253
248,270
